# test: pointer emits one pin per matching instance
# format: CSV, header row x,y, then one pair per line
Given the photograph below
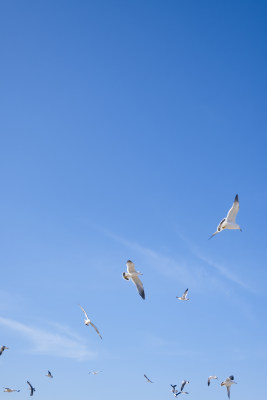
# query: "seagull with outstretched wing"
x,y
49,375
211,377
184,382
184,296
32,389
132,274
229,221
10,390
228,383
87,322
2,348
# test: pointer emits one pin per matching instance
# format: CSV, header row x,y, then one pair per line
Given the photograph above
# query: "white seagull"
x,y
49,375
148,380
32,389
211,377
2,348
184,382
10,390
173,389
94,372
184,296
229,221
87,322
133,275
228,383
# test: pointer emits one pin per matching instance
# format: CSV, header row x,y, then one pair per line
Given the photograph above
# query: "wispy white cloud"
x,y
52,343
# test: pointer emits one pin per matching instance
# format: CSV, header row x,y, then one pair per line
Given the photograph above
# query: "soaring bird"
x,y
32,389
211,377
2,348
133,275
87,322
228,383
10,390
229,221
184,382
184,296
148,380
94,372
49,375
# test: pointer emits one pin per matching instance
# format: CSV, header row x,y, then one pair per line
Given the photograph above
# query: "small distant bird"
x,y
94,372
133,275
177,394
184,296
229,221
32,389
148,380
10,390
184,382
49,375
228,383
211,377
87,322
2,348
173,389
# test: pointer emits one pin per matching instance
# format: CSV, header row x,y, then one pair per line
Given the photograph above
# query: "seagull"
x,y
2,348
177,394
228,382
94,372
148,380
184,296
173,389
32,389
184,382
133,275
10,390
229,221
211,377
49,374
87,322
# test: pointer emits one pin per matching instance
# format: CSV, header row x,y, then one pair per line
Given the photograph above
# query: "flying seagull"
x,y
133,275
177,394
94,372
2,348
173,389
184,296
184,382
148,380
87,322
32,389
228,382
229,221
10,390
211,377
49,375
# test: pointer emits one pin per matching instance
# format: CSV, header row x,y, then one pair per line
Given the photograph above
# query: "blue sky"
x,y
127,128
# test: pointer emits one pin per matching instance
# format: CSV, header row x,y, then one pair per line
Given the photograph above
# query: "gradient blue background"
x,y
127,128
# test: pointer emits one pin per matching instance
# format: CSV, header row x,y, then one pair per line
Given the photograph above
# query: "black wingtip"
x,y
236,197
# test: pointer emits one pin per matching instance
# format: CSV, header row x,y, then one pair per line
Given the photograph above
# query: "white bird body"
x,y
228,383
132,275
88,322
211,377
10,390
229,221
94,372
184,296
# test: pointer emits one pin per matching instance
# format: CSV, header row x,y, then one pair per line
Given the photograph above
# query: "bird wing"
x,y
208,381
139,286
215,233
183,385
84,312
95,328
130,266
147,378
233,211
185,295
228,391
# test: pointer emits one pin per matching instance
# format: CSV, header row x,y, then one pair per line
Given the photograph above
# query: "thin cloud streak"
x,y
51,343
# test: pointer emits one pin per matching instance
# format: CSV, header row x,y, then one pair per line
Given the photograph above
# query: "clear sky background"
x,y
127,128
